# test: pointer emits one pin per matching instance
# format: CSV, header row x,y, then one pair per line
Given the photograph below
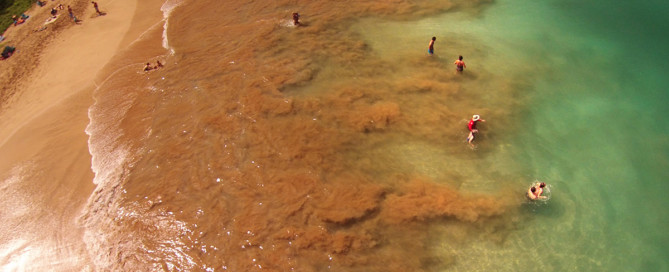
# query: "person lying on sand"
x,y
18,21
7,52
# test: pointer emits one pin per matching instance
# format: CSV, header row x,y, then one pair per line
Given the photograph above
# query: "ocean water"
x,y
339,145
590,129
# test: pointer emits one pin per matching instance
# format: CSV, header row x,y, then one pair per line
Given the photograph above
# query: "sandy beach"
x,y
45,164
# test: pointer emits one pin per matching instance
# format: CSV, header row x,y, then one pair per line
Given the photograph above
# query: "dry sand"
x,y
45,166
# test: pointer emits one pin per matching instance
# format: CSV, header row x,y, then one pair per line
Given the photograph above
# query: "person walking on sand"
x,y
472,128
97,9
69,10
459,64
430,46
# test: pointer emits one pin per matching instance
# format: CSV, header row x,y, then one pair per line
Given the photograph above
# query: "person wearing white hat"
x,y
472,128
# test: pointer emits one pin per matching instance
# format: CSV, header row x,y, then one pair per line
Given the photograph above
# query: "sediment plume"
x,y
243,154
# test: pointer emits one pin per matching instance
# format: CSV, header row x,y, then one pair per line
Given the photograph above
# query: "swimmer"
x,y
459,64
535,191
472,128
430,46
148,67
540,188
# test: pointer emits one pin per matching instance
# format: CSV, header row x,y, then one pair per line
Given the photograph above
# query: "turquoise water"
x,y
593,94
594,129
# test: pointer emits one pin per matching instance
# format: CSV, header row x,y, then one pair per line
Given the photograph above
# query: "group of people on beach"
x,y
8,51
19,20
54,11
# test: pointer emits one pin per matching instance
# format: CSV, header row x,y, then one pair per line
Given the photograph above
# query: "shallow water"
x,y
340,145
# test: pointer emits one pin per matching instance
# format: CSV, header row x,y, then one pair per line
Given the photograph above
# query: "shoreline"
x,y
46,164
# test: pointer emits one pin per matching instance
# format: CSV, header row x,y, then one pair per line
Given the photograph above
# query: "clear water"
x,y
591,124
593,127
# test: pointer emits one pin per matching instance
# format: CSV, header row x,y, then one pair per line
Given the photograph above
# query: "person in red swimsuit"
x,y
472,128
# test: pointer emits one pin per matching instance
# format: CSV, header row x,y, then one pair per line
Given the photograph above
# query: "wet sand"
x,y
45,165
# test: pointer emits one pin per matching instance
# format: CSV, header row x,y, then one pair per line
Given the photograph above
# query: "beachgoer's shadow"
x,y
466,75
551,208
95,15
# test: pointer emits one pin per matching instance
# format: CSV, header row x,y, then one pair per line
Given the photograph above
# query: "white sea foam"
x,y
167,9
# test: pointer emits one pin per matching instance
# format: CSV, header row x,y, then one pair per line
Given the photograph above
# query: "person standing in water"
x,y
296,19
472,128
430,46
459,64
